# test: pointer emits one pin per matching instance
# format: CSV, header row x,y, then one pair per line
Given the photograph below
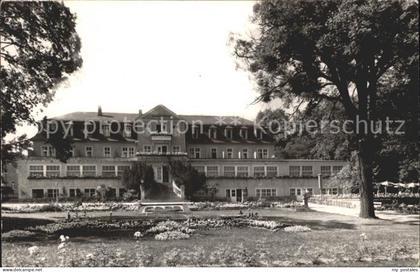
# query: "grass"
x,y
335,240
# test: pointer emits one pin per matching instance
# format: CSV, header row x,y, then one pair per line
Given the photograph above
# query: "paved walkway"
x,y
386,215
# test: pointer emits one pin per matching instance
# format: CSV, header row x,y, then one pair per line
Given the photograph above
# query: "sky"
x,y
138,54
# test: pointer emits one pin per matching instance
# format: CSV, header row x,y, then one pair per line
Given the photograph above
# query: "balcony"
x,y
161,136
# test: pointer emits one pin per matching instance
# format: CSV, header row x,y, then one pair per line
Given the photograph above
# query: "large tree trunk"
x,y
367,209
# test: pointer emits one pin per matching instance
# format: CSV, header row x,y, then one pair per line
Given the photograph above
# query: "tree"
x,y
185,174
134,176
39,49
339,51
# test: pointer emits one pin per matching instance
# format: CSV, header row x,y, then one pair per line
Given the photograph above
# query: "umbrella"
x,y
412,185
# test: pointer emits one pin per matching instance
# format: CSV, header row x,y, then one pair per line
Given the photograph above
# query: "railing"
x,y
176,189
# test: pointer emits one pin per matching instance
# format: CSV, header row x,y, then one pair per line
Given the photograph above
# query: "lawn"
x,y
334,240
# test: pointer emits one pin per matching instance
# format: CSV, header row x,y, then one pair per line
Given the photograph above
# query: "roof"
x,y
85,116
159,110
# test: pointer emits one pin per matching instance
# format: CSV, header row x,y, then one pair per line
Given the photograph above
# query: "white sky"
x,y
137,54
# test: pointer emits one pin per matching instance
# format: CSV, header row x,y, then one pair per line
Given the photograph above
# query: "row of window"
x,y
126,152
73,192
300,191
76,170
261,153
209,170
227,133
307,170
259,171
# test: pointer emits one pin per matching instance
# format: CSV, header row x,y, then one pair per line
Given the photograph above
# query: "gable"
x,y
159,110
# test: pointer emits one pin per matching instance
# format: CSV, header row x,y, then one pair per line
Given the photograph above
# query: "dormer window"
x,y
127,130
258,134
106,130
243,133
229,133
195,132
212,133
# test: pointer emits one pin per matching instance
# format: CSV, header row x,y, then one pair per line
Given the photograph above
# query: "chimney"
x,y
140,112
99,111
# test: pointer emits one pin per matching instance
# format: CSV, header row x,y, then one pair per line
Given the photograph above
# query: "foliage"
x,y
171,235
138,172
188,176
344,52
39,49
14,149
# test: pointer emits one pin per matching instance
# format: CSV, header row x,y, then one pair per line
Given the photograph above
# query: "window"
x,y
200,169
298,191
334,191
309,190
48,151
159,173
227,193
195,132
243,133
325,170
229,133
212,171
244,153
229,171
259,171
89,170
307,171
52,193
195,152
229,153
53,171
214,153
242,171
266,192
108,170
260,154
336,169
265,153
71,151
147,148
89,151
162,149
73,171
106,130
36,170
258,134
121,169
127,130
127,152
176,149
294,171
292,191
90,192
107,151
72,192
271,171
212,133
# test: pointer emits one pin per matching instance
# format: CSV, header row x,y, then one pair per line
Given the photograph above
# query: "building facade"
x,y
235,154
